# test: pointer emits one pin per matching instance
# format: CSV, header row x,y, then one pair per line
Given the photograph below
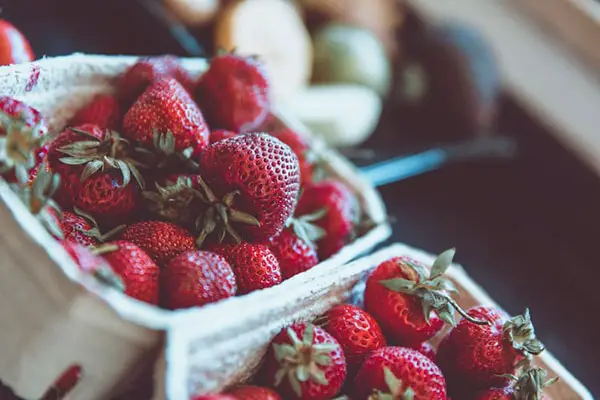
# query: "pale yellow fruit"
x,y
194,12
273,31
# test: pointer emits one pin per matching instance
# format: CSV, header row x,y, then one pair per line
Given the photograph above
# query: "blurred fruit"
x,y
344,115
194,12
449,83
273,31
347,54
103,111
14,47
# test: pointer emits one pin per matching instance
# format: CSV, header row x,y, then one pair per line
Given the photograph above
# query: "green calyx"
x,y
37,197
174,202
520,332
305,229
18,145
112,152
396,389
164,153
530,384
432,289
302,361
95,230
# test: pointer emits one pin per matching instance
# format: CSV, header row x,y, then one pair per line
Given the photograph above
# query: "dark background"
x,y
526,231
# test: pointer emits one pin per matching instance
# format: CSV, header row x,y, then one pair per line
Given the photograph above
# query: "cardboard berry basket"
x,y
54,317
239,354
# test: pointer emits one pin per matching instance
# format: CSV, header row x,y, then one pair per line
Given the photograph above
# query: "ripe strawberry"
x,y
399,373
149,70
357,332
254,265
253,393
294,254
93,264
305,362
251,186
95,168
427,350
81,228
411,306
529,385
103,111
234,93
301,147
14,47
160,240
214,397
64,384
477,356
196,278
341,217
137,270
165,116
221,134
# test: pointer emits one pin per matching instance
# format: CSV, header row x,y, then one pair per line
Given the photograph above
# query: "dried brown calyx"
x,y
520,332
530,384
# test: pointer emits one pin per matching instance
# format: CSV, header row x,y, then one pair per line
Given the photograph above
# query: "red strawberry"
x,y
81,228
160,240
357,332
254,265
251,186
103,111
341,216
234,93
398,373
149,70
477,356
221,134
165,116
64,384
305,362
530,385
137,270
196,278
253,393
410,305
96,169
427,350
93,264
294,254
301,147
214,397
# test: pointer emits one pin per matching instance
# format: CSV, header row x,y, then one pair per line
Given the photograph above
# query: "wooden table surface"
x,y
534,224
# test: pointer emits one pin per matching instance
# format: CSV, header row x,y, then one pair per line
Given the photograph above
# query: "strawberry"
x,y
137,270
234,93
427,350
149,70
253,393
95,168
64,384
196,278
299,144
305,362
529,385
254,265
160,240
214,397
14,46
357,332
221,134
341,215
165,116
103,111
91,263
410,305
399,373
250,187
81,228
477,356
294,254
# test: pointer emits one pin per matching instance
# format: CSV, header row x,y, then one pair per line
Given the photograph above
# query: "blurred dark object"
x,y
14,47
448,82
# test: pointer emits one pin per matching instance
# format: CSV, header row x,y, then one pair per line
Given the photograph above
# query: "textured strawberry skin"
x,y
427,350
196,278
72,228
301,147
83,257
497,394
400,315
137,270
233,93
476,355
411,367
254,393
357,332
294,254
335,372
103,110
264,171
254,265
341,218
149,70
160,240
220,134
166,107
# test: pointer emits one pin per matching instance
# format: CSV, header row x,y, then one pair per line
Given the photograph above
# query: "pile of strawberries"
x,y
387,350
171,190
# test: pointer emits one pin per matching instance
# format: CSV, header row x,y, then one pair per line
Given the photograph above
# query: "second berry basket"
x,y
54,317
